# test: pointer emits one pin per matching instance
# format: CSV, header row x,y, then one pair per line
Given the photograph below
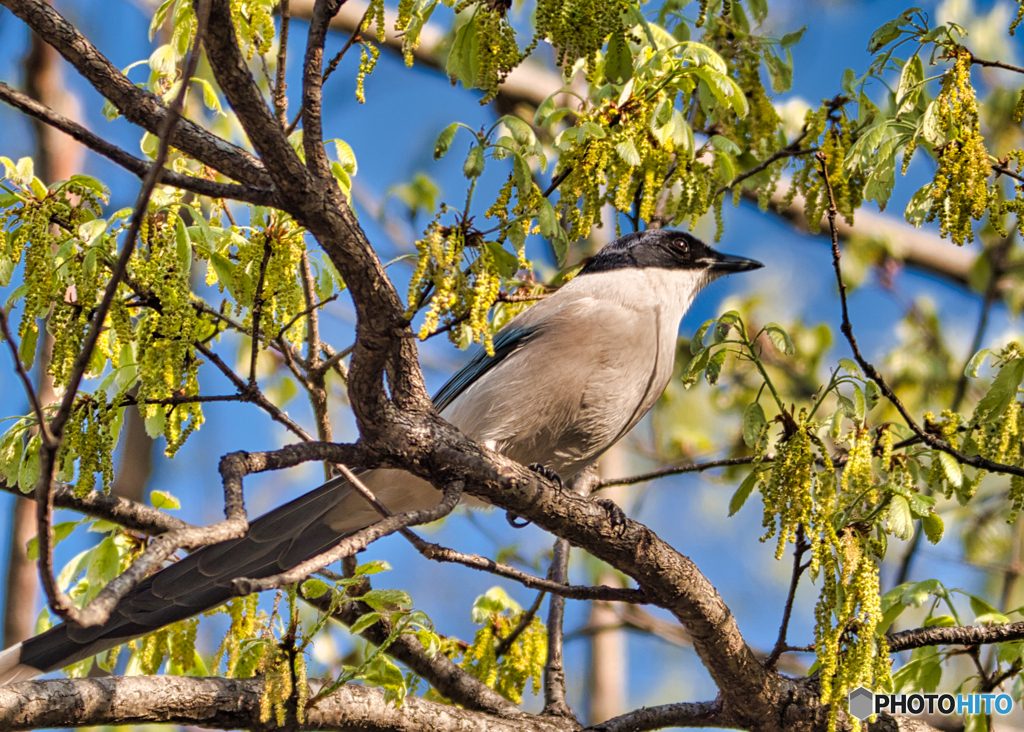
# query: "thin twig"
x,y
257,311
254,395
790,151
996,64
44,433
680,470
554,672
799,550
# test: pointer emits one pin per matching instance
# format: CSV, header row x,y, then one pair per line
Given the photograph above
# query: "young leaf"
x,y
714,367
444,140
901,523
164,501
743,492
779,338
933,527
474,164
951,468
1003,390
753,423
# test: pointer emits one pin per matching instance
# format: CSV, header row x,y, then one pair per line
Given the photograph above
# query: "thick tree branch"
x,y
216,703
312,88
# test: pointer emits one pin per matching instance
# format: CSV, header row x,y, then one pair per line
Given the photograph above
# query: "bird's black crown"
x,y
665,249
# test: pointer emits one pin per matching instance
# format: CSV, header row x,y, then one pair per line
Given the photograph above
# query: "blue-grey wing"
x,y
505,342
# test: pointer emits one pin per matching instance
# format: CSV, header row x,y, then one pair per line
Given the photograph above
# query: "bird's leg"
x,y
615,514
545,472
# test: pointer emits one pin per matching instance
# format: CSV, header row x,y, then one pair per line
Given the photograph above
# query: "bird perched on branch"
x,y
568,378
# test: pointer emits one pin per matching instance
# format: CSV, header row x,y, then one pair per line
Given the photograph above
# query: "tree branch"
x,y
216,703
135,516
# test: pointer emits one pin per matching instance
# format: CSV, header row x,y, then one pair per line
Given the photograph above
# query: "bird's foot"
x,y
545,472
515,522
615,514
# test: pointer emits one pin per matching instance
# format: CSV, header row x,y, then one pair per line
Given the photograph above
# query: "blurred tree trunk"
x,y
57,157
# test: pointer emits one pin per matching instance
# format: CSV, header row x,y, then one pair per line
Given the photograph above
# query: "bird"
x,y
567,378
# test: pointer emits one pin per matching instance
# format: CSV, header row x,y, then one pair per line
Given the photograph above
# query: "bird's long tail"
x,y
275,542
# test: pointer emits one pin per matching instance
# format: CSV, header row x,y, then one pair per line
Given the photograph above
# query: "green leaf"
x,y
618,62
697,342
743,492
971,370
851,367
313,588
547,219
521,132
695,368
224,268
1003,390
505,263
791,39
910,85
464,58
951,469
444,140
346,156
474,164
28,473
155,424
859,404
27,348
628,152
753,423
918,593
871,395
919,207
375,567
164,501
388,599
779,338
781,72
981,607
901,523
933,527
183,245
714,367
365,621
103,564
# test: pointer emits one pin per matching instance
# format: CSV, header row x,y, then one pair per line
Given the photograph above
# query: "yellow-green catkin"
x,y
787,495
457,293
522,661
960,192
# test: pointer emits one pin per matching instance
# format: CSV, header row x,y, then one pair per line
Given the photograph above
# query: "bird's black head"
x,y
666,249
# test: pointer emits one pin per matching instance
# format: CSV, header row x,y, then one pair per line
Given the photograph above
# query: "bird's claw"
x,y
515,521
615,514
545,472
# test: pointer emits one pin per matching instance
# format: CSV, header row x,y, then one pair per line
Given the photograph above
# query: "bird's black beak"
x,y
728,263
